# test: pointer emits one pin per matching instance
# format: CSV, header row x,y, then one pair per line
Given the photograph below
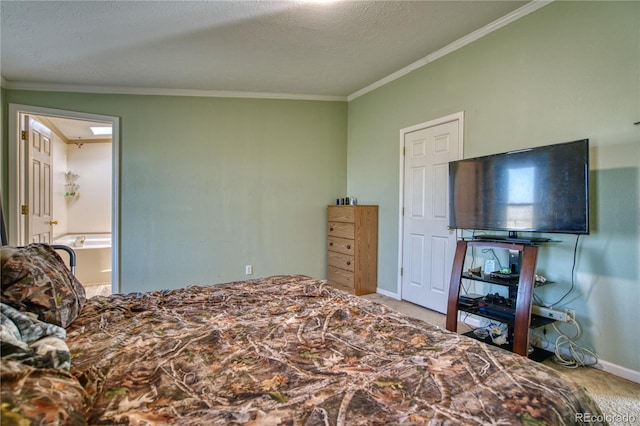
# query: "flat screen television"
x,y
543,190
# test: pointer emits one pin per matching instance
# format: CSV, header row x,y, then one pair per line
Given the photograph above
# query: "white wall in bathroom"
x,y
58,181
90,212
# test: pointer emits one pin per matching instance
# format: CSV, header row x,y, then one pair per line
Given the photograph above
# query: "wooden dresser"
x,y
352,248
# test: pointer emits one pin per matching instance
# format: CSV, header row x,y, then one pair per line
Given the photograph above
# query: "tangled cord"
x,y
577,353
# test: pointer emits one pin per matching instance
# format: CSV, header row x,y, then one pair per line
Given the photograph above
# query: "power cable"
x,y
573,268
578,354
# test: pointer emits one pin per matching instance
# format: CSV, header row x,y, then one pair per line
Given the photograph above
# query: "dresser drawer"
x,y
340,277
341,229
341,245
341,214
339,260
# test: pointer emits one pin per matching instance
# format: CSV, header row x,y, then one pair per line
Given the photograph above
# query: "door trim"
x,y
16,166
458,116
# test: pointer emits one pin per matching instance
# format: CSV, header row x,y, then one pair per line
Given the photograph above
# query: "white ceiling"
x,y
299,48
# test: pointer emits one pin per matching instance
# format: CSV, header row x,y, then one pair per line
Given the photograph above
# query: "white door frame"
x,y
459,116
14,224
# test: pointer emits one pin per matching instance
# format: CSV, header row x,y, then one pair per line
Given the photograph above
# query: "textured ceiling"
x,y
288,47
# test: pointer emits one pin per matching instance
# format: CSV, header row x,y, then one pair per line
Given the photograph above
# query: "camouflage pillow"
x,y
40,396
35,279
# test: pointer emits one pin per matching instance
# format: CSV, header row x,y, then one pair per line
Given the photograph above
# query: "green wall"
x,y
209,185
567,71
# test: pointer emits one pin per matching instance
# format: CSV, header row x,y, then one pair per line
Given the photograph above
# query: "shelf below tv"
x,y
513,282
528,254
512,239
537,355
536,320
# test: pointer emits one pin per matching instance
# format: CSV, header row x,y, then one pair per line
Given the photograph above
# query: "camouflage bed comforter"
x,y
292,350
30,341
39,298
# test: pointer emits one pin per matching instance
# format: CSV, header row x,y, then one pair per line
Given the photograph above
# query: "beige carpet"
x,y
618,398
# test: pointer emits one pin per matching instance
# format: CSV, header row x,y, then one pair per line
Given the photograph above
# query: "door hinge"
x,y
404,150
25,209
403,211
24,135
401,271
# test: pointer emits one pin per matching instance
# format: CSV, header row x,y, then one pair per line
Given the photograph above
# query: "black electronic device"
x,y
496,305
471,297
506,277
514,261
499,300
502,311
470,301
543,189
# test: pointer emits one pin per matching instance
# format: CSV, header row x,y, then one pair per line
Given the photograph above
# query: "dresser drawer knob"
x,y
330,244
330,229
348,262
348,246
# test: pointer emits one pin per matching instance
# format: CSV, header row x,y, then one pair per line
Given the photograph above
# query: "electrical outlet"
x,y
248,269
571,313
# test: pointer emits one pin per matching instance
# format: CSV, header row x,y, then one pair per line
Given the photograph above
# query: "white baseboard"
x,y
470,320
606,366
617,370
388,293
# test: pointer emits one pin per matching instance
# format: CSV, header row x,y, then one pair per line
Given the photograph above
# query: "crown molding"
x,y
123,90
452,47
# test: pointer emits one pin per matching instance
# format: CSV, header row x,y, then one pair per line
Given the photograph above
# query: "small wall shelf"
x,y
71,187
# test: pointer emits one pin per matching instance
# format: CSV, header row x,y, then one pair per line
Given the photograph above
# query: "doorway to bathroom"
x,y
63,188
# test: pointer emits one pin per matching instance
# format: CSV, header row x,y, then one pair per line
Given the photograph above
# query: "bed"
x,y
285,350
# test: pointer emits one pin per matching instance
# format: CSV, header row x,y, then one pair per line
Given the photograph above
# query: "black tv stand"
x,y
521,319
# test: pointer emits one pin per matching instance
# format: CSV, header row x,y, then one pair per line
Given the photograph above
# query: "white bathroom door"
x,y
38,176
428,245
